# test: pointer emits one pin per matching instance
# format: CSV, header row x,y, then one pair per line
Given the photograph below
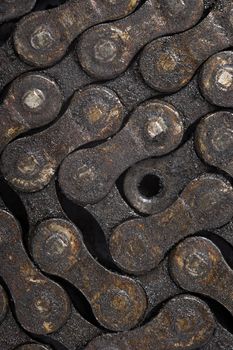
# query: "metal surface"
x,y
42,307
57,247
10,9
214,140
42,38
26,105
112,211
190,105
185,322
152,185
154,128
216,79
197,265
11,334
204,204
169,63
118,302
106,50
44,205
32,346
48,304
120,175
94,113
41,205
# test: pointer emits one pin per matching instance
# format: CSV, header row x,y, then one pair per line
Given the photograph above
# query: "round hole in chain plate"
x,y
150,185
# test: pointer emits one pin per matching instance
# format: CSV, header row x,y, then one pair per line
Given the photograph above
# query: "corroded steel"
x,y
169,63
205,203
94,113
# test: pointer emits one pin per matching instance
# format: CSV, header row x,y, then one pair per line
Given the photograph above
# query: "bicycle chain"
x,y
169,63
94,113
68,74
214,140
155,249
170,173
11,66
36,97
105,51
41,39
205,203
198,266
157,283
154,128
193,109
216,79
184,323
41,306
26,106
11,335
58,249
32,97
54,242
193,264
42,206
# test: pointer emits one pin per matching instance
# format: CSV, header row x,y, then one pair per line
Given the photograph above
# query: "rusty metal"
x,y
130,86
49,306
214,140
190,102
185,322
152,262
154,184
41,205
154,128
216,79
69,76
42,38
158,285
204,204
190,105
133,90
194,263
197,265
26,105
106,50
11,334
169,63
67,72
42,307
94,113
118,302
222,340
111,211
10,9
32,346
